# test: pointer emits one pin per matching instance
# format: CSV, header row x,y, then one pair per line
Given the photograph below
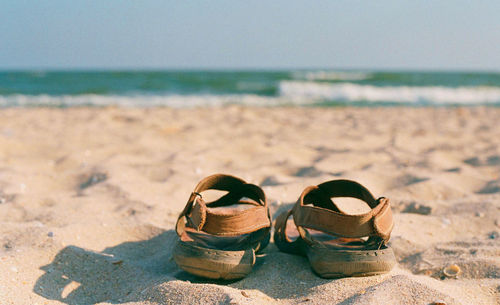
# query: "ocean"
x,y
315,87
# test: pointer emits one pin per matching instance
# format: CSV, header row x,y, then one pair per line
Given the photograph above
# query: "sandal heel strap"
x,y
199,215
377,222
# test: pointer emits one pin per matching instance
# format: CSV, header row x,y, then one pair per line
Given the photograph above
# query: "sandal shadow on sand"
x,y
219,239
338,244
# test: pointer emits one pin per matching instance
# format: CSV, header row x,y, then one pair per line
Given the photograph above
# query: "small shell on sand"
x,y
452,271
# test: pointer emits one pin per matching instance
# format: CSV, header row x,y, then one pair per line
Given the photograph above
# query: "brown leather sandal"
x,y
332,240
219,239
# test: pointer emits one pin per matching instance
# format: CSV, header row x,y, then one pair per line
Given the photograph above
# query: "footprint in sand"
x,y
407,180
490,188
493,160
270,181
309,171
88,180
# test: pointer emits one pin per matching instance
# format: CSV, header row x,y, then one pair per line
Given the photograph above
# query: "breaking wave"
x,y
349,92
175,101
288,93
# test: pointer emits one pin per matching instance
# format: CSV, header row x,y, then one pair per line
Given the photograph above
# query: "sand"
x,y
89,197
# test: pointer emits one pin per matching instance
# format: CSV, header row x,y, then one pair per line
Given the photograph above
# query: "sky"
x,y
233,34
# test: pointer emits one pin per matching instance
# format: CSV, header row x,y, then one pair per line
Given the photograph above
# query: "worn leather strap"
x,y
313,211
201,216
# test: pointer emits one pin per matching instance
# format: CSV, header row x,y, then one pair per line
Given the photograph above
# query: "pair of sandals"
x,y
219,239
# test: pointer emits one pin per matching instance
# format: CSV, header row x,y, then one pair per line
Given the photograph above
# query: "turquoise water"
x,y
265,88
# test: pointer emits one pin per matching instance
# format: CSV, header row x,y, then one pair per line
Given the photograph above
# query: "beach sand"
x,y
89,198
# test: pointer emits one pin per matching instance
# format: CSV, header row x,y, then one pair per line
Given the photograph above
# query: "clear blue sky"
x,y
373,34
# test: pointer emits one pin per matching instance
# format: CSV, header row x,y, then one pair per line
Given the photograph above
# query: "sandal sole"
x,y
213,263
335,263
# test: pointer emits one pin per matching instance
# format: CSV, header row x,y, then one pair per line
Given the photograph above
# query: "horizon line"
x,y
243,69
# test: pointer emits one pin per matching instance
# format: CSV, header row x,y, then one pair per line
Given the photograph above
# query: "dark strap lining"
x,y
250,191
348,188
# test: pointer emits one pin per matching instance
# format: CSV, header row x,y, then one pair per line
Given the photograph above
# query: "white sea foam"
x,y
176,101
332,75
290,93
405,94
